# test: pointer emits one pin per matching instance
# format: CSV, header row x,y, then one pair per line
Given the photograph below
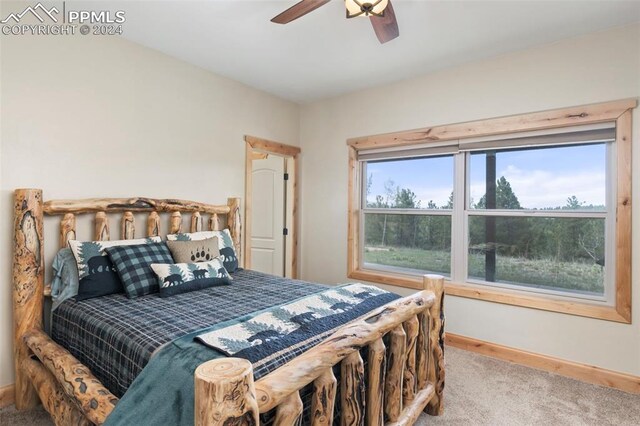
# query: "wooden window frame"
x,y
619,112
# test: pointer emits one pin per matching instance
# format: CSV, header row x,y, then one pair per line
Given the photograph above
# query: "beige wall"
x,y
594,68
91,116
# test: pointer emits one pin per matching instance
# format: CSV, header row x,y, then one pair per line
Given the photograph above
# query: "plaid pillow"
x,y
133,264
96,273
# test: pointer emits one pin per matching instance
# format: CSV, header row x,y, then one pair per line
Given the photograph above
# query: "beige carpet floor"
x,y
485,391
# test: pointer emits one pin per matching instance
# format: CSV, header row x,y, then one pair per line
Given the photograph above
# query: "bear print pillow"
x,y
225,245
194,251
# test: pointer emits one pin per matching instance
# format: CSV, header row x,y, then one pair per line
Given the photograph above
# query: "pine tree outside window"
x,y
531,239
532,213
407,227
542,227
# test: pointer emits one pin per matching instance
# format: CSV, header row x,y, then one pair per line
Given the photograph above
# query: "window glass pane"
x,y
549,178
565,254
408,243
416,183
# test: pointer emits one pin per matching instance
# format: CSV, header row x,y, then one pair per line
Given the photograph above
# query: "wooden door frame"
x,y
257,148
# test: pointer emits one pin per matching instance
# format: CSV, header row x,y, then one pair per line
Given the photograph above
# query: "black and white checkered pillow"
x,y
133,264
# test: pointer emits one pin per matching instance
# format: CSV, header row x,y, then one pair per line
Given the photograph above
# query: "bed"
x,y
383,367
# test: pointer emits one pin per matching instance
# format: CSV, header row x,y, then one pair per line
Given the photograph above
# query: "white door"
x,y
267,215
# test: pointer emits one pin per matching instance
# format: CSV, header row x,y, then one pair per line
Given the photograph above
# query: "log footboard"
x,y
401,381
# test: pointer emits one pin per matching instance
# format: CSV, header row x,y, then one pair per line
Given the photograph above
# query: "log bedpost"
x,y
28,285
435,369
234,223
225,393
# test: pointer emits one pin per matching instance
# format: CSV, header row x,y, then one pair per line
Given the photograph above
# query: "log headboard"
x,y
28,254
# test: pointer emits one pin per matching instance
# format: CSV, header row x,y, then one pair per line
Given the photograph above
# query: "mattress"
x,y
116,337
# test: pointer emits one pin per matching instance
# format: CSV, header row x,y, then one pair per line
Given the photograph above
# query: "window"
x,y
407,214
536,218
524,217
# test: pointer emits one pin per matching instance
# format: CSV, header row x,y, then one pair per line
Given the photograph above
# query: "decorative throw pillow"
x,y
225,245
133,264
184,277
95,270
194,251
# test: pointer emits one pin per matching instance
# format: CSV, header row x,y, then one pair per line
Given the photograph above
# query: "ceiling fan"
x,y
380,12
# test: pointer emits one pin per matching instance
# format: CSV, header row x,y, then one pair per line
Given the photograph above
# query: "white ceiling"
x,y
323,54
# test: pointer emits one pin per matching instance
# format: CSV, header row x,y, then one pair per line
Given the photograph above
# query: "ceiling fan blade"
x,y
386,27
297,10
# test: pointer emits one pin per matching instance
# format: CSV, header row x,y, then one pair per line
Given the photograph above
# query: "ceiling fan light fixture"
x,y
365,8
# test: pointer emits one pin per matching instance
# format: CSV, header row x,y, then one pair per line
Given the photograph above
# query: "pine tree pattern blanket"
x,y
295,324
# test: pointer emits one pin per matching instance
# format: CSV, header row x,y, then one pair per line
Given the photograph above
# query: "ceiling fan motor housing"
x,y
365,8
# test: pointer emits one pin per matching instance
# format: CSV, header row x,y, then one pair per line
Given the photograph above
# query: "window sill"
x,y
508,297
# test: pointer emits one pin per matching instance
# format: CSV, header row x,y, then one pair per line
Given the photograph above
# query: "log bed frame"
x,y
401,381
